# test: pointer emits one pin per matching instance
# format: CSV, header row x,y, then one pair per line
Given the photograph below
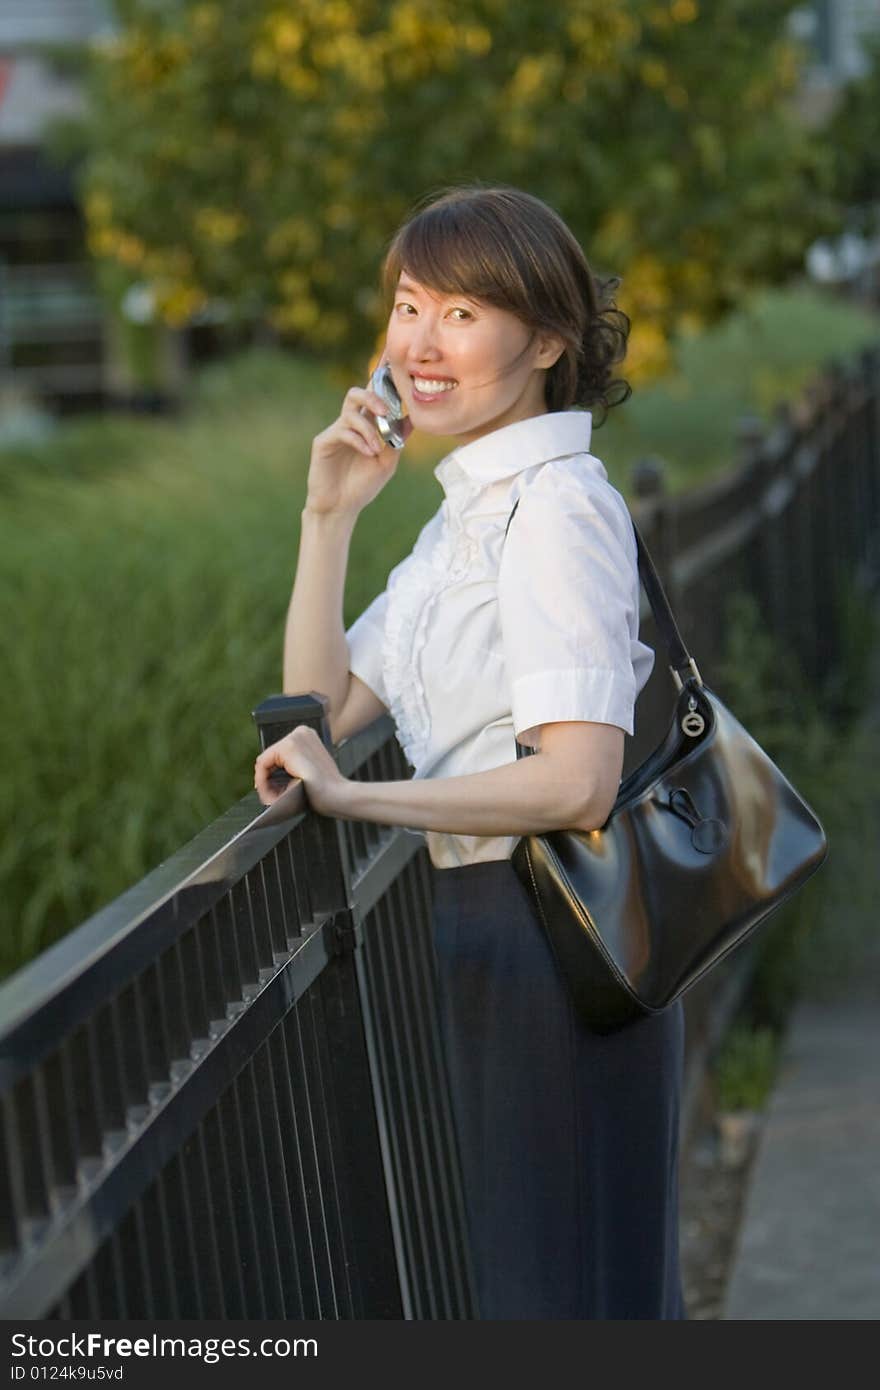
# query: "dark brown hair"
x,y
510,249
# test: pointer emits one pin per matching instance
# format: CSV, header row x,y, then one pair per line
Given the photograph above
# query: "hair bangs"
x,y
449,249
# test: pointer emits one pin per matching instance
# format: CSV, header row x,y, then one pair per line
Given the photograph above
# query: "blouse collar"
x,y
515,447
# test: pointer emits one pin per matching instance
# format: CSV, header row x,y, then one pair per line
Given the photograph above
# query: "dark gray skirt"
x,y
568,1139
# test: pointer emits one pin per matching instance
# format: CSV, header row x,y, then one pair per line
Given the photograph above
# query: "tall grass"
x,y
144,578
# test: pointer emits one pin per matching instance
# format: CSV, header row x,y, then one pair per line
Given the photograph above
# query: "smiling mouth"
x,y
429,388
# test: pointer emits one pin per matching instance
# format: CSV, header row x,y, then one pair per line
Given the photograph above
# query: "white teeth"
x,y
433,387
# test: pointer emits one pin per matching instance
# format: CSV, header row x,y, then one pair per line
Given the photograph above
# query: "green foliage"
x,y
291,136
745,1068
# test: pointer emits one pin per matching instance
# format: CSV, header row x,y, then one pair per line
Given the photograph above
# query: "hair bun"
x,y
604,345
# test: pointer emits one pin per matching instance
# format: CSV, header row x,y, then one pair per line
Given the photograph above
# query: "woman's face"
x,y
462,367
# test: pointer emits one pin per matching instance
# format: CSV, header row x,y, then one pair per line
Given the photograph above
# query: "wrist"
x,y
349,799
328,520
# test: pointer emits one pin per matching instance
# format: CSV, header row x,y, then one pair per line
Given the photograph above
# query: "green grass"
x,y
145,570
745,1068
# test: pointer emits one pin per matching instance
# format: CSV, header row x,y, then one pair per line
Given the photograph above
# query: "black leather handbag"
x,y
706,838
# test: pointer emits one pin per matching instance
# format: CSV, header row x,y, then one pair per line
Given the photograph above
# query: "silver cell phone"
x,y
382,382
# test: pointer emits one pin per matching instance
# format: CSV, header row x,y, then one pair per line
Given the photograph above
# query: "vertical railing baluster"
x,y
306,1259
268,1214
242,1200
228,1218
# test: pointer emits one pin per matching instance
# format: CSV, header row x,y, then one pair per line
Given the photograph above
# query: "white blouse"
x,y
471,646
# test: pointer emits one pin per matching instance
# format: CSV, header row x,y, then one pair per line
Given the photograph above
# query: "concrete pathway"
x,y
809,1241
809,1244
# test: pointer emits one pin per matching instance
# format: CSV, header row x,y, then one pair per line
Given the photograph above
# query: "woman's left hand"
x,y
302,754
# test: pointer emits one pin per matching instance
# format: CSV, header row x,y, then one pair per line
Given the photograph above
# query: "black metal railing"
x,y
224,1094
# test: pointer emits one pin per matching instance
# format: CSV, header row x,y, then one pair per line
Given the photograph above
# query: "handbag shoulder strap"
x,y
679,656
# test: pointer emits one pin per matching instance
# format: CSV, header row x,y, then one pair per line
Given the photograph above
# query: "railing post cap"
x,y
648,476
750,432
310,705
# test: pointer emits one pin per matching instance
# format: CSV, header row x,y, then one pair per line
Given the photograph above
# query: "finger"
x,y
366,440
363,396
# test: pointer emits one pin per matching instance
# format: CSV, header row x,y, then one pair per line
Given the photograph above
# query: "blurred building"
x,y
51,322
60,344
834,32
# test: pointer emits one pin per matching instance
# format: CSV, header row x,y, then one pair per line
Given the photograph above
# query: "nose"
x,y
423,340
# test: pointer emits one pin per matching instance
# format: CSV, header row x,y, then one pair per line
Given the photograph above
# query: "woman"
x,y
499,336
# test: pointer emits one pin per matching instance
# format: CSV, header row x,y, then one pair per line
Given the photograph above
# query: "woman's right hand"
x,y
350,463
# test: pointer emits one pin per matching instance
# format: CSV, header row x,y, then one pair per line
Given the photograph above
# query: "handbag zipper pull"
x,y
693,722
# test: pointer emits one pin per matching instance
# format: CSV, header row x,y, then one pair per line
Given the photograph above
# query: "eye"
x,y
466,312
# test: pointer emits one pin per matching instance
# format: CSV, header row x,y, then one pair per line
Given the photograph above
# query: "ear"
x,y
550,349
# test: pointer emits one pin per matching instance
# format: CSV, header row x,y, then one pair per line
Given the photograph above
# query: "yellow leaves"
x,y
535,79
602,32
788,66
352,55
613,238
264,61
355,120
169,263
323,272
338,215
648,356
298,316
645,285
475,38
205,20
683,11
664,17
646,294
294,284
302,81
219,225
690,323
98,206
178,302
425,35
114,244
653,72
148,60
285,33
533,76
298,44
331,328
294,237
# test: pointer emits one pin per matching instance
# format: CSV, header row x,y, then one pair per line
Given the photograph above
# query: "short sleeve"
x,y
365,638
568,596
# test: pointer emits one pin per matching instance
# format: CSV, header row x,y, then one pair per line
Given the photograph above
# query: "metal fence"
x,y
224,1094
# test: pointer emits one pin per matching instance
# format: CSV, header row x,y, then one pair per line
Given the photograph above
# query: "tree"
x,y
261,152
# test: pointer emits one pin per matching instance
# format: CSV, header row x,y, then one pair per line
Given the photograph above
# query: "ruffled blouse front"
x,y
477,640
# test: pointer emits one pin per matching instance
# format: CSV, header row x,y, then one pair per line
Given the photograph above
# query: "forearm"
x,y
315,649
531,795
